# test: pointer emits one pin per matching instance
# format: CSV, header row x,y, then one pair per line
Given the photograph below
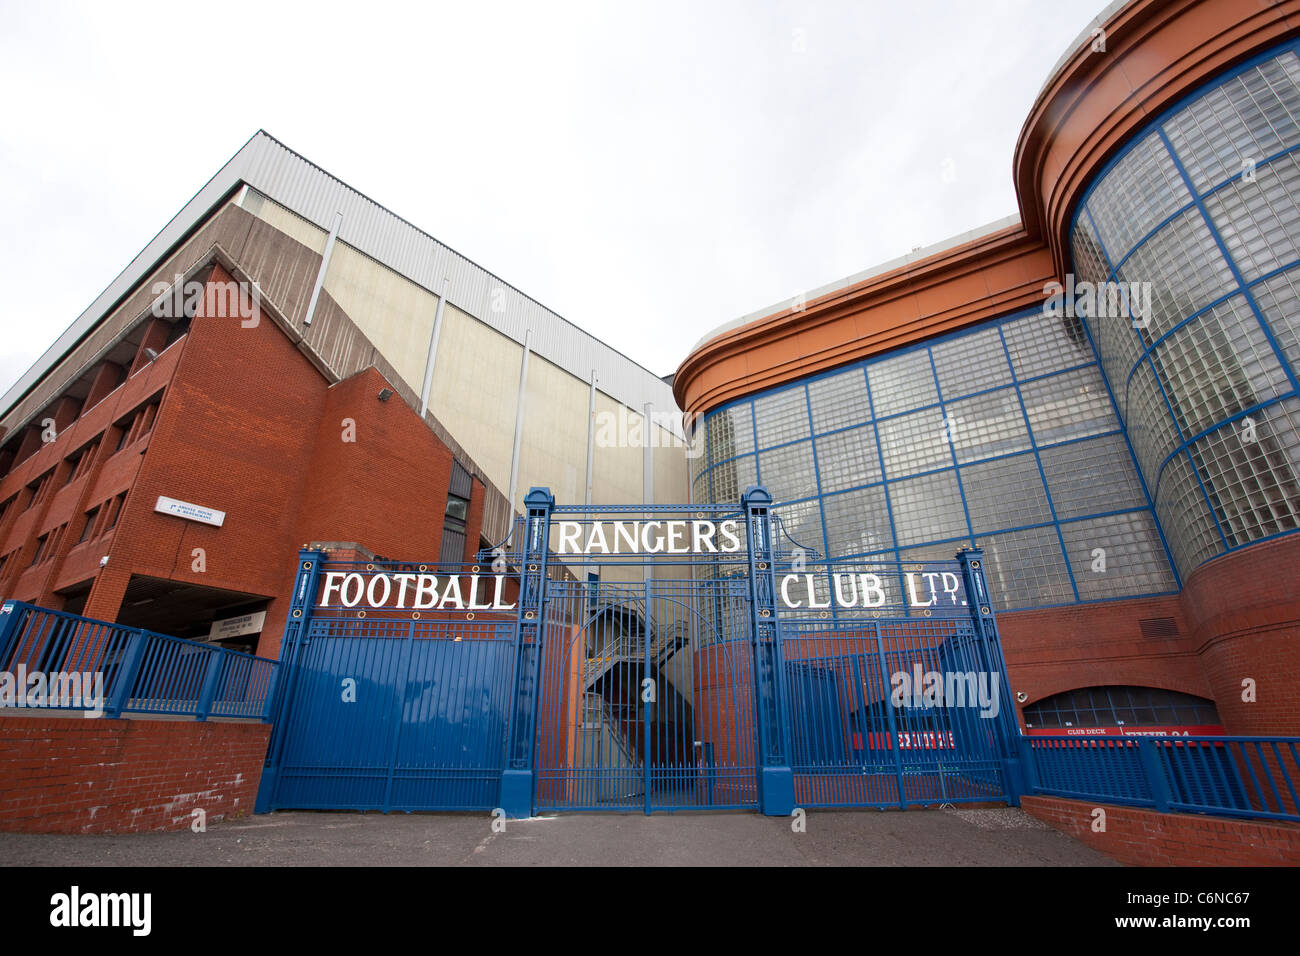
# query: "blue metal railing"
x,y
1254,777
97,666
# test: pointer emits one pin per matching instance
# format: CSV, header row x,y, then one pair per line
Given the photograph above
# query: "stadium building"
x,y
288,362
1101,393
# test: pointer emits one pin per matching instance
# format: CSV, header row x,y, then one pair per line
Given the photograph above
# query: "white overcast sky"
x,y
648,170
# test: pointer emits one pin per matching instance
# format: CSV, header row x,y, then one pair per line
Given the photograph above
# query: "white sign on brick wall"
x,y
189,511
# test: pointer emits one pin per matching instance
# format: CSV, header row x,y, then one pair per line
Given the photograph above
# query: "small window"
x,y
88,528
36,489
457,508
40,549
114,511
178,329
81,461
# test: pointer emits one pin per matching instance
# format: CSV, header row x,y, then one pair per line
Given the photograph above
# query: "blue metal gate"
x,y
641,658
390,710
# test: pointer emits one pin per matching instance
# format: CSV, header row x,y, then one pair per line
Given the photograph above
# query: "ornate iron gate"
x,y
641,658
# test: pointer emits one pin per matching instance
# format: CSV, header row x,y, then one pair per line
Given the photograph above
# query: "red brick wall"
x,y
1146,838
1057,649
74,775
247,426
1245,611
1238,617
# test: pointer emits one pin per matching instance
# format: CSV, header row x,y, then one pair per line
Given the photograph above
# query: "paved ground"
x,y
976,837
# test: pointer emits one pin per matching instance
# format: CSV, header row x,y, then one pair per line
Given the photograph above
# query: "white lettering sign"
x,y
858,590
696,536
190,512
414,592
237,626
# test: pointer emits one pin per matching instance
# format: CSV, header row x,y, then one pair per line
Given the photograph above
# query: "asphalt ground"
x,y
1001,836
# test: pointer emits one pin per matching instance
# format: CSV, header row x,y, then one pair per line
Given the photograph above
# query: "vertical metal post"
x,y
433,351
324,267
216,663
895,738
648,473
10,613
295,632
775,777
519,426
517,780
1153,769
648,705
591,434
1007,729
126,673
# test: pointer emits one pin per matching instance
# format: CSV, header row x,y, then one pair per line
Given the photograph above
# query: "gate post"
x,y
775,778
517,778
295,629
1007,727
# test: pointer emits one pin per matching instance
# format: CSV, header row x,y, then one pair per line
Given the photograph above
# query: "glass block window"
x,y
1007,493
987,425
1026,568
1184,268
730,432
1218,364
1206,355
1117,555
731,478
927,508
848,458
1249,117
971,363
902,382
1180,505
781,417
857,522
1253,477
1039,344
1121,349
1070,405
839,400
1091,477
1153,433
914,443
1260,221
831,487
1089,261
787,472
1279,299
1141,191
802,523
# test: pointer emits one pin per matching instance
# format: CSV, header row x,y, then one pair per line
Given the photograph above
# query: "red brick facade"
x,y
245,424
71,775
1146,838
1237,617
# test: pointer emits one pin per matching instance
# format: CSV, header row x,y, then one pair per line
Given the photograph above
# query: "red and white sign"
x,y
1193,730
909,740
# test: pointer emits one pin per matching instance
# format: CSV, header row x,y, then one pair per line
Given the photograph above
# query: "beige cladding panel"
x,y
670,469
393,312
475,387
289,223
618,465
553,446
